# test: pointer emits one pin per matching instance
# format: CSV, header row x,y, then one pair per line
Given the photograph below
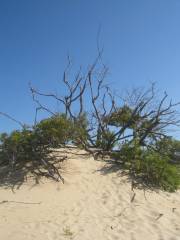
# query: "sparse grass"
x,y
67,232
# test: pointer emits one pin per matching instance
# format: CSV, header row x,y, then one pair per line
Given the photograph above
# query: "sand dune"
x,y
93,204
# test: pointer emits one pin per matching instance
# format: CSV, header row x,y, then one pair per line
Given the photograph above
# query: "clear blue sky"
x,y
141,39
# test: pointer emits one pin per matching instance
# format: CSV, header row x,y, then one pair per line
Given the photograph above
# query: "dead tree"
x,y
139,115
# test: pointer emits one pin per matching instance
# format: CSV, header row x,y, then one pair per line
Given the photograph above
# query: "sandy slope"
x,y
93,204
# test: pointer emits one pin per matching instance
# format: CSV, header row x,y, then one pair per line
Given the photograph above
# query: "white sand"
x,y
91,205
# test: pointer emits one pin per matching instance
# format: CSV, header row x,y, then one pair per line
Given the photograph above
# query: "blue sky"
x,y
141,39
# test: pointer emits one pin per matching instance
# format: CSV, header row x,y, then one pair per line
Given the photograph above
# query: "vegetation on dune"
x,y
55,130
136,125
29,150
149,166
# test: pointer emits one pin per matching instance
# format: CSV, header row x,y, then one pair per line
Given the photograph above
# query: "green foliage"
x,y
29,144
105,140
170,147
55,130
29,150
22,146
130,152
150,167
121,117
157,170
79,134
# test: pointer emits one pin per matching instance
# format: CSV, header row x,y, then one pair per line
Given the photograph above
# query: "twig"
x,y
133,197
7,201
173,209
160,215
12,119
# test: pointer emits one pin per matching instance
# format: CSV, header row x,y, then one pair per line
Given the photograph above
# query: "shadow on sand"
x,y
114,166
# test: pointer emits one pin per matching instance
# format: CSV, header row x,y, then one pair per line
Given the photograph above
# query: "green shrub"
x,y
169,146
79,134
105,140
149,167
157,170
28,150
21,147
121,116
55,130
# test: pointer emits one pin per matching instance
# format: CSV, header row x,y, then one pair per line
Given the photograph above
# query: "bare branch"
x,y
13,119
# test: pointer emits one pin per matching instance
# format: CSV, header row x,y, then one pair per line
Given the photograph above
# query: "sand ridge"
x,y
94,203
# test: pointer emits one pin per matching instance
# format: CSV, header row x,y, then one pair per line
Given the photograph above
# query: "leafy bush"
x,y
171,147
121,116
55,130
105,140
79,134
149,167
28,150
21,147
157,170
